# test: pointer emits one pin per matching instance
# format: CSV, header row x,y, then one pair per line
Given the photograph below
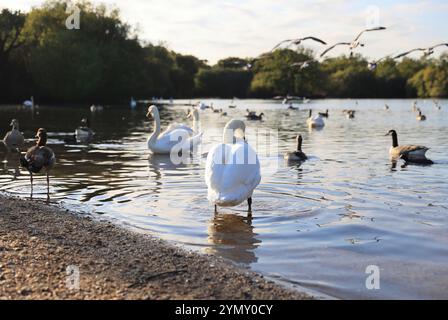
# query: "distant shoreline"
x,y
38,242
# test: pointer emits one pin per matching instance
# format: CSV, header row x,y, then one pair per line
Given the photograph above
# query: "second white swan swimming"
x,y
176,135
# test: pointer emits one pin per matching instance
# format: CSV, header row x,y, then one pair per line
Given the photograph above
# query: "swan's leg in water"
x,y
249,203
31,180
216,208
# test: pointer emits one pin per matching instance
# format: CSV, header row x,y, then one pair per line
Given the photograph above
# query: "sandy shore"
x,y
38,242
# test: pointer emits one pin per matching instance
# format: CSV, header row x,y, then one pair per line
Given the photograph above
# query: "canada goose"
x,y
316,121
351,114
254,116
297,155
230,178
14,139
297,42
39,157
291,107
324,114
84,132
386,107
421,117
409,153
223,113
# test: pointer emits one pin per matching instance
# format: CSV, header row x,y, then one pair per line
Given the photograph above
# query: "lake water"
x,y
318,225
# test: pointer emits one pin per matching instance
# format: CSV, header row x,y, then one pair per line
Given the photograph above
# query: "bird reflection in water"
x,y
233,238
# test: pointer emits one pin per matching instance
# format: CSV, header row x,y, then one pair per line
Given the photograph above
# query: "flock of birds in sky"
x,y
230,182
351,45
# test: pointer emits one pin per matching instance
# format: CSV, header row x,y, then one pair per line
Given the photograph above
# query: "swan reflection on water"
x,y
233,237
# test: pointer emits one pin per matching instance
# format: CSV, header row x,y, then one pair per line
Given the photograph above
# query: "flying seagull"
x,y
302,64
372,65
336,45
297,42
355,43
426,51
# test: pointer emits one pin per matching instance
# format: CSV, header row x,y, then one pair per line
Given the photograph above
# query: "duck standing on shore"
x,y
39,157
14,139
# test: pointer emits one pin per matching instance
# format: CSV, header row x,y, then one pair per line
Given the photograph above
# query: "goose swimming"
x,y
324,114
297,155
409,153
420,116
232,170
84,132
39,157
163,143
14,139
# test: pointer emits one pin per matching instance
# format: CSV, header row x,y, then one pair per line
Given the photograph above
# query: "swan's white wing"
x,y
176,126
231,175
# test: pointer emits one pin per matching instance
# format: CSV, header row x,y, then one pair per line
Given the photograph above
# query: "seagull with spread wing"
x,y
354,44
296,42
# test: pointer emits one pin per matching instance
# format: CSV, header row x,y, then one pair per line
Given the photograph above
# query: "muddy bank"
x,y
39,242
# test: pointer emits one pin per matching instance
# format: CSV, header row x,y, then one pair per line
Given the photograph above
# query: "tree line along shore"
x,y
104,61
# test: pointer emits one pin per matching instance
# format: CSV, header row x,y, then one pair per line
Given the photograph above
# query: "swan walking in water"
x,y
232,171
316,121
39,157
409,153
176,135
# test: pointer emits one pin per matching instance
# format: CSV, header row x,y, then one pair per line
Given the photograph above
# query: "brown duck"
x,y
39,157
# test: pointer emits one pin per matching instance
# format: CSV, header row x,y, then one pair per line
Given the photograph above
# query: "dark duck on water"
x,y
39,157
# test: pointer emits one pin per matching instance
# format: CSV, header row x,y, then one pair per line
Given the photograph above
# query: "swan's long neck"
x,y
153,138
196,121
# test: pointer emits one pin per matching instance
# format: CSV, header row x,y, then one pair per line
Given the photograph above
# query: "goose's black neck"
x,y
42,141
394,139
299,143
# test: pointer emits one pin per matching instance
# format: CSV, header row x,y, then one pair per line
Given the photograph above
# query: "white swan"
x,y
316,121
133,103
194,114
232,171
176,135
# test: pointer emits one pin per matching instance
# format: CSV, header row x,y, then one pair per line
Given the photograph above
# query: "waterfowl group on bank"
x,y
229,182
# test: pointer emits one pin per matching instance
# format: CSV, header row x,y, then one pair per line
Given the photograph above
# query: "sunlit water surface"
x,y
318,225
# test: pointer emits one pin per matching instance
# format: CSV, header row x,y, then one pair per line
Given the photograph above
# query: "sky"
x,y
216,29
